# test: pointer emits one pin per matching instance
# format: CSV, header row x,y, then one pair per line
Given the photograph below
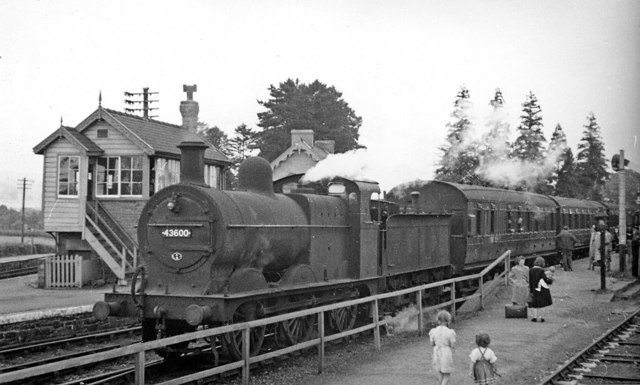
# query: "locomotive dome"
x,y
255,175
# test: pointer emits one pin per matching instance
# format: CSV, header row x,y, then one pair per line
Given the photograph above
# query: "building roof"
x,y
80,141
316,153
153,137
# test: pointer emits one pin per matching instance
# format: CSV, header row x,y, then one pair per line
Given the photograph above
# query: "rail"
x,y
139,350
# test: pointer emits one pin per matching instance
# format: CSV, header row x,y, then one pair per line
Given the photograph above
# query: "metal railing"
x,y
139,350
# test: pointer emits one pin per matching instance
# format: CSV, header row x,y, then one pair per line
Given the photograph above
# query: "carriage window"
x,y
510,228
520,223
471,229
479,222
493,221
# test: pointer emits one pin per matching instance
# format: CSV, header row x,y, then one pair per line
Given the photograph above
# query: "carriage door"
x,y
458,243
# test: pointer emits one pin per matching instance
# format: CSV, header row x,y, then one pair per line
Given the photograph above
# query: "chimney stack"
x,y
192,162
189,109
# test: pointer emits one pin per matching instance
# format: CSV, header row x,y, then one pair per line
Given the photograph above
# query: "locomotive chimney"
x,y
189,109
415,196
192,162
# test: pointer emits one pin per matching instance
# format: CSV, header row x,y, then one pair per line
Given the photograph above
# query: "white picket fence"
x,y
63,271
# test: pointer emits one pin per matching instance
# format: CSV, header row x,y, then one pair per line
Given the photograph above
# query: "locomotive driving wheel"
x,y
343,318
296,330
233,340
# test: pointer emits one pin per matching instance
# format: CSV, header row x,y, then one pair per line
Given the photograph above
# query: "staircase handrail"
x,y
120,236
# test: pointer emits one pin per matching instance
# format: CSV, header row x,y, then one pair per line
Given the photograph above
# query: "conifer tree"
x,y
557,149
495,145
529,145
591,167
460,157
566,177
242,144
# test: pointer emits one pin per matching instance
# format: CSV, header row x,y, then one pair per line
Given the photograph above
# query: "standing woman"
x,y
519,278
539,283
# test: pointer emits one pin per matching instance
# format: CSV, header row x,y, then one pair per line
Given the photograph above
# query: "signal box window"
x,y
68,175
119,176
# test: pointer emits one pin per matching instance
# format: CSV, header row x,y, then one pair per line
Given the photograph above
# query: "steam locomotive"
x,y
213,257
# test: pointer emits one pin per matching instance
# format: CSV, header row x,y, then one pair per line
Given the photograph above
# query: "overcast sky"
x,y
399,65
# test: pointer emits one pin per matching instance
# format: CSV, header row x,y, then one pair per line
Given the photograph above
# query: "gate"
x,y
63,271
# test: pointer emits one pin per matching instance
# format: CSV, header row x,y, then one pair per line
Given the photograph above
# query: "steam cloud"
x,y
413,156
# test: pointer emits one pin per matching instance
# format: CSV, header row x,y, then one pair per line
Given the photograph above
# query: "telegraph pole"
x,y
146,102
25,185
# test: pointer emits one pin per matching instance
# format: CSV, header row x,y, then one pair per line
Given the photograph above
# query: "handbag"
x,y
530,298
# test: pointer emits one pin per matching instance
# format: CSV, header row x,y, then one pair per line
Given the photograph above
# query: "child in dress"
x,y
443,340
483,361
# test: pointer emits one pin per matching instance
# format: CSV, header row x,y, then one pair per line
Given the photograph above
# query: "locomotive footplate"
x,y
219,308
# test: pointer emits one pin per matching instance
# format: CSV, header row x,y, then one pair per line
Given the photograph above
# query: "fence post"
x,y
376,329
481,291
507,268
420,322
47,271
245,355
139,368
79,270
321,344
453,299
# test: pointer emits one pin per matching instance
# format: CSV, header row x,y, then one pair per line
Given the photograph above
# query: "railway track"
x,y
18,272
612,359
16,350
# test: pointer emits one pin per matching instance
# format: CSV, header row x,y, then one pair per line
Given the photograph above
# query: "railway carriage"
x,y
486,222
579,215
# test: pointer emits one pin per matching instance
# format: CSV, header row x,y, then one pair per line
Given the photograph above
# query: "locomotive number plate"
x,y
176,233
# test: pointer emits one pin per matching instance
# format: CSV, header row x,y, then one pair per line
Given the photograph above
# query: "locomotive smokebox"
x,y
192,162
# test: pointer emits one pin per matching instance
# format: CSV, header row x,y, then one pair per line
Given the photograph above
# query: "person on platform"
x,y
592,247
565,242
596,242
483,360
519,278
443,340
539,281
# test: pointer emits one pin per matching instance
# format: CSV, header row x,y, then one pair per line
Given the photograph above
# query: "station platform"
x,y
527,351
20,258
21,300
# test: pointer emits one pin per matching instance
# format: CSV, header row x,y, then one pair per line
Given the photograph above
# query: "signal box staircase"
x,y
110,241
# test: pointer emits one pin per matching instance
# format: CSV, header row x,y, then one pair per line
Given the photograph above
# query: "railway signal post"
x,y
618,164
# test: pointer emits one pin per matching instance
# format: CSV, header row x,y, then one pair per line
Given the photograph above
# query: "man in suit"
x,y
565,242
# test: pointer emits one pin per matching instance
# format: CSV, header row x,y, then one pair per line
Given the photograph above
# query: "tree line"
x,y
529,163
293,105
11,219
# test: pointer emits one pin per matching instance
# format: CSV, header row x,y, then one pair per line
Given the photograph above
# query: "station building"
x,y
99,174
